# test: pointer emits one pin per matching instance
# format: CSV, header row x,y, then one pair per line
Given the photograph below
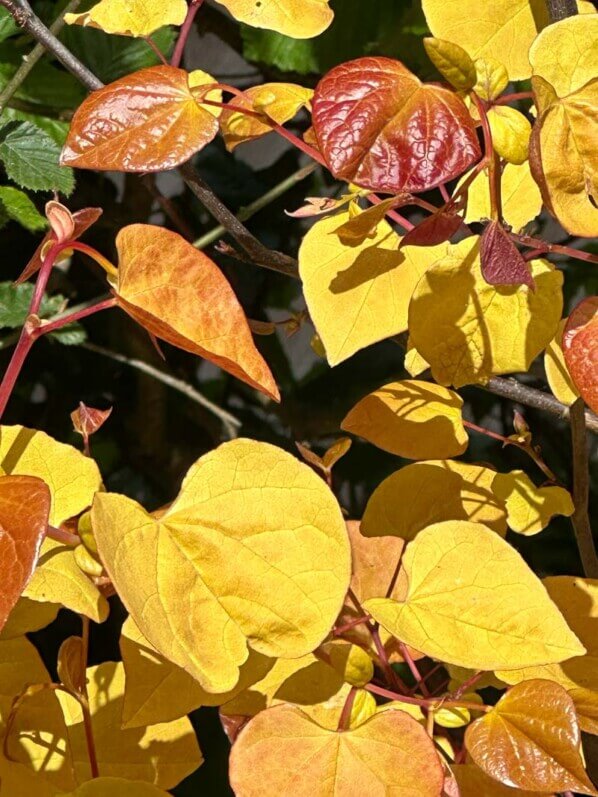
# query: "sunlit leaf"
x,y
531,740
358,295
404,135
458,322
452,62
254,551
492,78
557,373
510,133
181,296
472,601
412,419
429,492
473,782
580,345
328,714
323,762
131,17
300,19
20,665
529,508
145,122
28,616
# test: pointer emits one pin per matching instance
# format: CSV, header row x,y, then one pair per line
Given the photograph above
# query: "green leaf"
x,y
55,128
31,159
71,335
46,86
15,301
110,57
19,207
8,27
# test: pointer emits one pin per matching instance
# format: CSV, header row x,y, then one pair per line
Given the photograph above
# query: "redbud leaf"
x,y
580,347
502,262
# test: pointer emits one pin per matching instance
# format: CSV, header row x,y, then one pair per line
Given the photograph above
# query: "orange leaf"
x,y
580,347
179,295
148,121
24,510
282,752
531,740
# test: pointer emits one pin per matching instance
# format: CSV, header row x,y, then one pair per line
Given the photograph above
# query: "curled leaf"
x,y
557,373
433,230
580,347
502,263
131,17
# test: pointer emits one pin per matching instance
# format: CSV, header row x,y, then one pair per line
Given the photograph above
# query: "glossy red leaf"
x,y
580,347
24,509
502,262
379,126
433,230
148,121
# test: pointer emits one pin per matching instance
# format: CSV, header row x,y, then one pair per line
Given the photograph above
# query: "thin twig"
x,y
229,422
581,491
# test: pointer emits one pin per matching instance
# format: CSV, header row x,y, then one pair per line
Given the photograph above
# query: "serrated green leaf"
x,y
31,159
71,335
55,128
19,207
15,301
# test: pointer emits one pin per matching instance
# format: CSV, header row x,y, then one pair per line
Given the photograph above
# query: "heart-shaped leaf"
x,y
24,511
580,347
148,121
379,126
502,262
132,18
178,294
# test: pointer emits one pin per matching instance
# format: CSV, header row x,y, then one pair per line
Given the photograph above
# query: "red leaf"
x,y
148,121
87,420
433,230
580,347
380,127
24,508
502,262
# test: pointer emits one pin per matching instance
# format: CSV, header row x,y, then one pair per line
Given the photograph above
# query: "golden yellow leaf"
x,y
492,78
198,78
411,419
72,478
58,579
328,714
351,661
475,783
472,601
321,762
556,369
414,363
374,562
423,493
521,197
359,295
159,754
565,54
510,133
408,708
306,681
529,508
278,101
461,674
17,780
28,616
504,29
253,552
458,322
300,19
116,787
131,17
452,62
577,598
455,717
20,665
158,691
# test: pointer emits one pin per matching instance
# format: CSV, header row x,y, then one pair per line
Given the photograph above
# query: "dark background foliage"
x,y
155,433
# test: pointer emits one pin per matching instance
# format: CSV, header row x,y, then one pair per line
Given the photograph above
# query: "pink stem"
x,y
413,668
60,535
494,176
52,326
444,193
392,214
542,246
520,95
179,49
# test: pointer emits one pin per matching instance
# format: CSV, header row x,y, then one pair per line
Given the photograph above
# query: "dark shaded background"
x,y
154,433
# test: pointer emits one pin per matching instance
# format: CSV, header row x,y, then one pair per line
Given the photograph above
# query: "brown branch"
x,y
581,491
561,9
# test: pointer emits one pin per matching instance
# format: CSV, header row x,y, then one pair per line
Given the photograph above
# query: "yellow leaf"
x,y
510,133
199,78
452,62
492,78
472,601
530,508
58,579
577,598
504,29
17,780
359,295
362,224
565,54
429,492
131,17
458,322
461,674
159,754
374,562
116,787
455,717
521,197
72,478
20,665
556,369
475,783
306,681
158,691
350,661
414,363
278,101
254,551
408,708
327,763
28,616
411,419
328,714
300,19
